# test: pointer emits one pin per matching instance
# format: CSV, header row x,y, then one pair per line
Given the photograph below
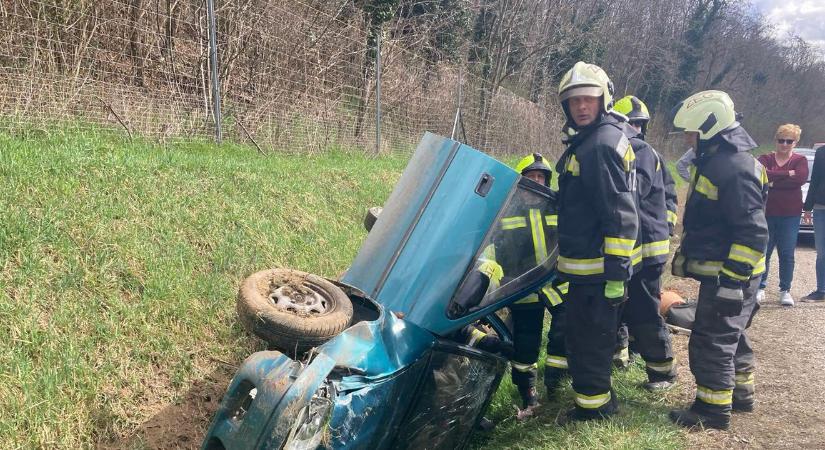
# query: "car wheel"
x,y
293,311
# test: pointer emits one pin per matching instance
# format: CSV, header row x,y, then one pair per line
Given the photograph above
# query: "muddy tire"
x,y
293,311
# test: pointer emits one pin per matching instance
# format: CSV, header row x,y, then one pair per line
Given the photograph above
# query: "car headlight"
x,y
311,425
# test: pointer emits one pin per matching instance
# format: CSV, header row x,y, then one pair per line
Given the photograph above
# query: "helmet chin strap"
x,y
733,135
706,147
572,123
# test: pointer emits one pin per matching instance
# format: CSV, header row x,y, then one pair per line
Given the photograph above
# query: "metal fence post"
x,y
213,61
457,106
378,92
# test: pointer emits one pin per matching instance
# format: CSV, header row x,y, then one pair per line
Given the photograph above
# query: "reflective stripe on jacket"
x,y
526,240
529,237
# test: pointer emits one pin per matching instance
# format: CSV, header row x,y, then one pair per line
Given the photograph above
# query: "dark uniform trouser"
x,y
555,363
591,337
651,337
528,321
721,356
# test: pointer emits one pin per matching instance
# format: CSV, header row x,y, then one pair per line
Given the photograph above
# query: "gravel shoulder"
x,y
790,378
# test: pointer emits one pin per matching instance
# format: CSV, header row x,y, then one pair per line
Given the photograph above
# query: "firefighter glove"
x,y
493,271
729,296
615,292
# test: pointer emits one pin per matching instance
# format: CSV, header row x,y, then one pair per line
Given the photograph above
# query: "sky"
x,y
805,18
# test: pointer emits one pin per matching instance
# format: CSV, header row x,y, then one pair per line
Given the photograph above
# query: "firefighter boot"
x,y
485,424
529,396
703,415
552,381
742,406
658,386
621,358
578,414
530,401
661,376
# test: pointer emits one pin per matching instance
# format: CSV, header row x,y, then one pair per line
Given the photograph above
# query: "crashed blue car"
x,y
378,367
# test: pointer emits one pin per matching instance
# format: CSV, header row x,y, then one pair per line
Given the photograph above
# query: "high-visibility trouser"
x,y
528,321
591,336
719,346
650,335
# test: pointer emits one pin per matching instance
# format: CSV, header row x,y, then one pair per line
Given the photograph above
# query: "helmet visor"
x,y
582,91
678,120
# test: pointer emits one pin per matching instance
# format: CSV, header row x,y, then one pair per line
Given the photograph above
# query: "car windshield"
x,y
520,248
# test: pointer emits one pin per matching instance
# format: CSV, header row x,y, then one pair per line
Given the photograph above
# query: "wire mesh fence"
x,y
294,77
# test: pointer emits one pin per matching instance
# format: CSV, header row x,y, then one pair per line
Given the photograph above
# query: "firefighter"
x,y
723,246
598,224
656,203
533,229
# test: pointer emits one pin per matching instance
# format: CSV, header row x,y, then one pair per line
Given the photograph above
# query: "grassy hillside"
x,y
119,263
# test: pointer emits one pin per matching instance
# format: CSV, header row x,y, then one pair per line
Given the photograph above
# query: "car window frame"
x,y
532,277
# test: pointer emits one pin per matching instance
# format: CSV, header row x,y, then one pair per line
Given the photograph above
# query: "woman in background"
x,y
787,172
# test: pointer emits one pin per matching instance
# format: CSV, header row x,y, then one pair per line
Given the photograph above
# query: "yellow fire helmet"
x,y
707,113
633,108
589,80
535,162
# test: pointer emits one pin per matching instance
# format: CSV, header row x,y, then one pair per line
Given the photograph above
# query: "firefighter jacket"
x,y
598,221
655,202
725,231
671,200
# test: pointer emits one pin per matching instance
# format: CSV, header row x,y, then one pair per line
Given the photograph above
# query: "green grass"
x,y
119,264
642,421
